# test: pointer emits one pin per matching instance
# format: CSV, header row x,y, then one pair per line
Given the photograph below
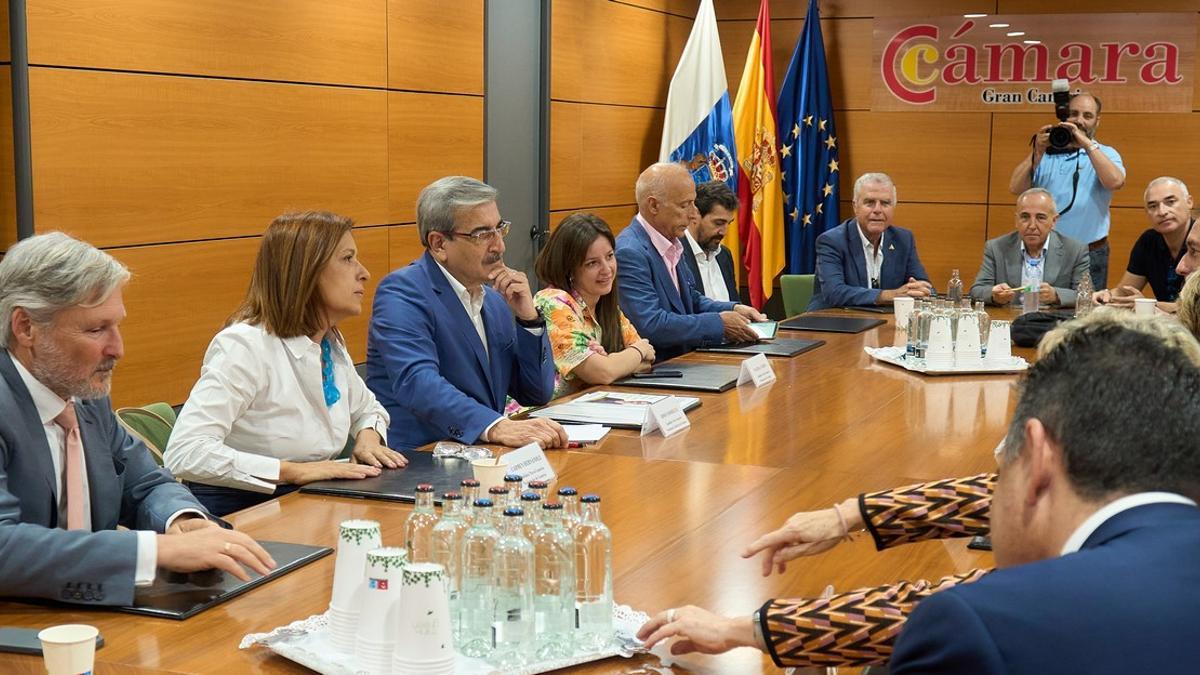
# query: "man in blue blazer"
x,y
1094,522
69,473
456,332
867,260
658,292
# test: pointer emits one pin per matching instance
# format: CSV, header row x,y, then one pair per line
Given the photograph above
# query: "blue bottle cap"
x,y
567,491
514,511
530,497
590,499
512,478
483,502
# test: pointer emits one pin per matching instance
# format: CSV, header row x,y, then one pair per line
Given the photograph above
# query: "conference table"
x,y
681,509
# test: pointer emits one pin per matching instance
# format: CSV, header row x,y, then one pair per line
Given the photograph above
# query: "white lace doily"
x,y
307,642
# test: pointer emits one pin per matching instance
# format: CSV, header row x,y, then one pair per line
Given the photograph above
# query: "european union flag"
x,y
808,148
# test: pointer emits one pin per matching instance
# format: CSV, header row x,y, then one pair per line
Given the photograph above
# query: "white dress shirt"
x,y
1111,509
260,401
711,277
49,405
873,256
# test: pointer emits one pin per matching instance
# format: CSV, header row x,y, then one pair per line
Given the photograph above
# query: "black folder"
x,y
176,595
778,347
400,485
831,324
696,377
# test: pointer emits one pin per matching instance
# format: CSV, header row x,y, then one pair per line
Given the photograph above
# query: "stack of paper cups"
x,y
355,538
940,352
966,347
999,342
377,624
424,645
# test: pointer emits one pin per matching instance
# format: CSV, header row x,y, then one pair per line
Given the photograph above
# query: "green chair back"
x,y
797,292
151,424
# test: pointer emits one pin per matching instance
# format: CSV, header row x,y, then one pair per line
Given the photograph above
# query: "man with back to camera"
x,y
658,293
455,332
1159,249
711,261
69,472
1033,256
1081,177
867,260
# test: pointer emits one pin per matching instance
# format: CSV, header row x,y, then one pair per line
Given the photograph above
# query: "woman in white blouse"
x,y
278,396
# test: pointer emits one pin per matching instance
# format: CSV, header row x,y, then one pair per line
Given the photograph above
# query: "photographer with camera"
x,y
1080,172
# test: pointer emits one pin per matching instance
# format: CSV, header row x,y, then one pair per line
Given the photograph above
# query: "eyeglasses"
x,y
486,235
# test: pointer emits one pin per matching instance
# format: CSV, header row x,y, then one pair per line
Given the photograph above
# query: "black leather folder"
x,y
777,347
696,377
830,324
400,485
176,595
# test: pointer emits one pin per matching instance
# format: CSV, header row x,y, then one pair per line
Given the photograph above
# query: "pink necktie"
x,y
74,469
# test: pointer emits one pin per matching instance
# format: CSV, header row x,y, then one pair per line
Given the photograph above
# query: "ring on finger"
x,y
228,546
671,615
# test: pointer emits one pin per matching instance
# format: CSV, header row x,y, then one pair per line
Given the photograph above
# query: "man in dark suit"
x,y
659,295
710,261
69,473
867,260
455,332
1093,521
1032,255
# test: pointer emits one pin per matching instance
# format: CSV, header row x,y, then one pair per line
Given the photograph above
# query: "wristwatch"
x,y
538,321
1094,146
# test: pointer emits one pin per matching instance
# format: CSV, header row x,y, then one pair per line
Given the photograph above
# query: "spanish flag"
x,y
760,216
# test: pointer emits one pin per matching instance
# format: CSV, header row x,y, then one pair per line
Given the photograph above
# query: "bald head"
x,y
666,196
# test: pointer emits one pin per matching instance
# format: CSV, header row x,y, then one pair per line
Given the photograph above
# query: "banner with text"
x,y
1133,62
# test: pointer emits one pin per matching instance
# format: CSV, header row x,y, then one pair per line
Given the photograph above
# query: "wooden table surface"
x,y
834,424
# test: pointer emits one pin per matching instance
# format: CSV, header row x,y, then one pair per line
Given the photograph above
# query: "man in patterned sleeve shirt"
x,y
800,632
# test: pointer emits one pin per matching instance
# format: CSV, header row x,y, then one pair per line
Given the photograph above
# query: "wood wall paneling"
x,y
847,46
404,246
5,56
435,47
686,8
179,298
793,9
597,152
335,42
429,136
130,159
8,198
617,217
1150,145
932,157
607,52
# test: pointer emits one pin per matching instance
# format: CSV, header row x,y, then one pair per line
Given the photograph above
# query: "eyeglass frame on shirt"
x,y
484,234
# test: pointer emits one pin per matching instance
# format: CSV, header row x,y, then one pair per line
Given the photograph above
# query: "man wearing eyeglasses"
x,y
455,332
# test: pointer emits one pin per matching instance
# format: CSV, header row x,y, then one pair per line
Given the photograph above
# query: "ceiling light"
x,y
997,25
1015,33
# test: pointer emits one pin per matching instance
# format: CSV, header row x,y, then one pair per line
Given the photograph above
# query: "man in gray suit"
x,y
1035,256
69,473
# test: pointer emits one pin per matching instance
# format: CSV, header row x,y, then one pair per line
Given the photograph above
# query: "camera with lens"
x,y
1060,136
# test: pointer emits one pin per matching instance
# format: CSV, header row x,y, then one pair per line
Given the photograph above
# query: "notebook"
x,y
400,485
176,595
779,347
831,324
609,408
696,377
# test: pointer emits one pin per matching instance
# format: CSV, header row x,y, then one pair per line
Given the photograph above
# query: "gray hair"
x,y
875,178
50,272
1039,191
653,181
1165,179
441,200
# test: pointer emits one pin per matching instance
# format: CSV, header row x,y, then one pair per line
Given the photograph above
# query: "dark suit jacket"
x,y
427,366
673,321
126,488
1125,603
724,261
1066,261
842,271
